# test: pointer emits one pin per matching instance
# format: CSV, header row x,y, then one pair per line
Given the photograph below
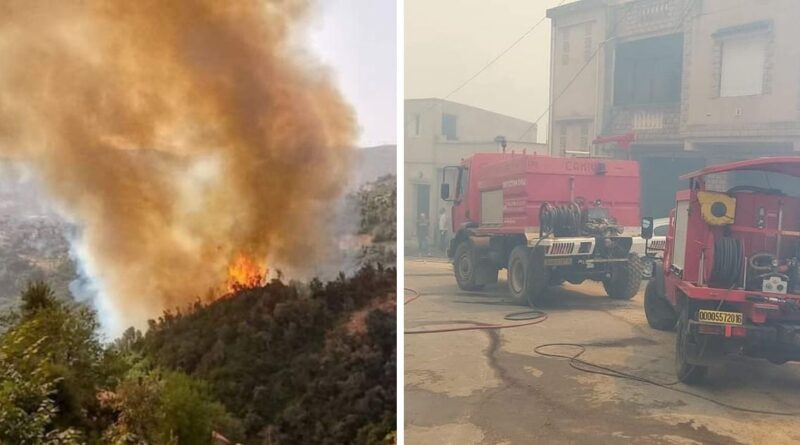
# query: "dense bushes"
x,y
60,385
281,358
275,364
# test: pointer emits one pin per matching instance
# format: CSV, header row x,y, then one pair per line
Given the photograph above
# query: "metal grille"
x,y
562,248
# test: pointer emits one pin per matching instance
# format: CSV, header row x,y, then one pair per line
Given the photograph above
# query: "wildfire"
x,y
245,272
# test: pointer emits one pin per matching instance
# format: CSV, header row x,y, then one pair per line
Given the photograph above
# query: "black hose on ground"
x,y
593,368
585,366
727,268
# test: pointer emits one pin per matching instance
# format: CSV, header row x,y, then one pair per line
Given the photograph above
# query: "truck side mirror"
x,y
647,227
444,192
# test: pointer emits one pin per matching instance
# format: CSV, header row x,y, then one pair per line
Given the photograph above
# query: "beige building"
x,y
697,81
439,133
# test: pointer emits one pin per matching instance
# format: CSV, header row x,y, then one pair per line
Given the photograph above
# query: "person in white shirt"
x,y
443,228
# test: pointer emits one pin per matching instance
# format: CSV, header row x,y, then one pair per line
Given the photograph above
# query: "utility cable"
x,y
586,64
490,62
502,53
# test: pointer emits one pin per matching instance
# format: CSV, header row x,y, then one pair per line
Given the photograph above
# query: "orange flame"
x,y
245,273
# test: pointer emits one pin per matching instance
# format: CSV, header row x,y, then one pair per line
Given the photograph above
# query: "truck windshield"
x,y
463,183
788,185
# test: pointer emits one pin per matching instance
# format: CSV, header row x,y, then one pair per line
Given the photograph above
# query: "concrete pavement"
x,y
489,387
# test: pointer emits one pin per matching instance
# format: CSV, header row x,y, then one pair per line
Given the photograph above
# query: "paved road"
x,y
489,387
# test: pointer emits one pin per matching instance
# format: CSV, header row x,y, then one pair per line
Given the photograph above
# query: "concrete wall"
x,y
576,39
427,151
774,112
702,115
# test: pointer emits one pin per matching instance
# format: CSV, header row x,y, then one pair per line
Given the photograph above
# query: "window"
x,y
588,50
565,46
661,230
562,136
649,71
417,125
742,72
449,127
585,135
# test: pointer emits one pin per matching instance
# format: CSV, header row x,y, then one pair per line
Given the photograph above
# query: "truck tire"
x,y
686,372
626,278
660,314
527,276
465,263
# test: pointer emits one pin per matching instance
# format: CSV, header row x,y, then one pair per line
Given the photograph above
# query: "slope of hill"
x,y
271,364
285,360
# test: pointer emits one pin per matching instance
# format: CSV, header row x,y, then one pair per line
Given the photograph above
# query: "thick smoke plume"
x,y
178,134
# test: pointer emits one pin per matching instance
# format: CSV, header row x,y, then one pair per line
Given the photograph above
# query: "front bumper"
x,y
777,342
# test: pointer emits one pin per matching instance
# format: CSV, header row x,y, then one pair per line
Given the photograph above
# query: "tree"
x,y
37,296
165,407
28,412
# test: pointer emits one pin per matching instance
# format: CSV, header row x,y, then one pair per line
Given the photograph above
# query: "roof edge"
x,y
768,164
573,7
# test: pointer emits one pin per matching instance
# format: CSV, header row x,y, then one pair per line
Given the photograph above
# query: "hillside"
x,y
372,163
282,363
285,360
279,363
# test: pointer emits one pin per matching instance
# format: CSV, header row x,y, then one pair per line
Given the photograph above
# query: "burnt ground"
x,y
490,387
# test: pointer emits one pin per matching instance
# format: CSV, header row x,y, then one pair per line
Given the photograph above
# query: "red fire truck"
x,y
730,276
546,220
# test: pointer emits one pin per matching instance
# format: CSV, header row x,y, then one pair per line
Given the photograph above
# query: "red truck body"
x,y
742,313
592,209
527,181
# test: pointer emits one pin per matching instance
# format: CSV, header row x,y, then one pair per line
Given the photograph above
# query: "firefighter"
x,y
422,234
442,230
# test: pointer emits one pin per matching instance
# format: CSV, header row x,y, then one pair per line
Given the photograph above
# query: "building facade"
x,y
440,133
698,82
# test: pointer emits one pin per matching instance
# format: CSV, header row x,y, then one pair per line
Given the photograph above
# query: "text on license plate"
x,y
719,317
558,261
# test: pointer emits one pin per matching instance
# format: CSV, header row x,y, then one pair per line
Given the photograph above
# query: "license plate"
x,y
719,317
558,261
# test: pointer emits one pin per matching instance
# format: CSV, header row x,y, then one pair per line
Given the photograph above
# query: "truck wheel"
x,y
626,278
657,309
527,276
686,372
465,264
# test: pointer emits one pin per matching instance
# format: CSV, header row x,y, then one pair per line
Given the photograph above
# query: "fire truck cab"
x,y
729,281
546,220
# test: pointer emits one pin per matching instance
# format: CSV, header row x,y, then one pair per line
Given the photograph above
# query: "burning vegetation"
x,y
177,135
245,272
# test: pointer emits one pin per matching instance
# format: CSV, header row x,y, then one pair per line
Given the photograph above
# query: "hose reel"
x,y
727,268
564,220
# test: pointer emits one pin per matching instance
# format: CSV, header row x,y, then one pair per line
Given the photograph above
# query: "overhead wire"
x,y
586,64
491,62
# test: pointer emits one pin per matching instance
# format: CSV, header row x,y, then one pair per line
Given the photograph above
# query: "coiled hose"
x,y
727,263
562,220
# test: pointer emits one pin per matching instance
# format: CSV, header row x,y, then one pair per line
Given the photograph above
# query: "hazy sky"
x,y
447,41
357,38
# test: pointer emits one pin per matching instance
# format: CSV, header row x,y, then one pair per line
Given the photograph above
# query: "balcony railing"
x,y
647,122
